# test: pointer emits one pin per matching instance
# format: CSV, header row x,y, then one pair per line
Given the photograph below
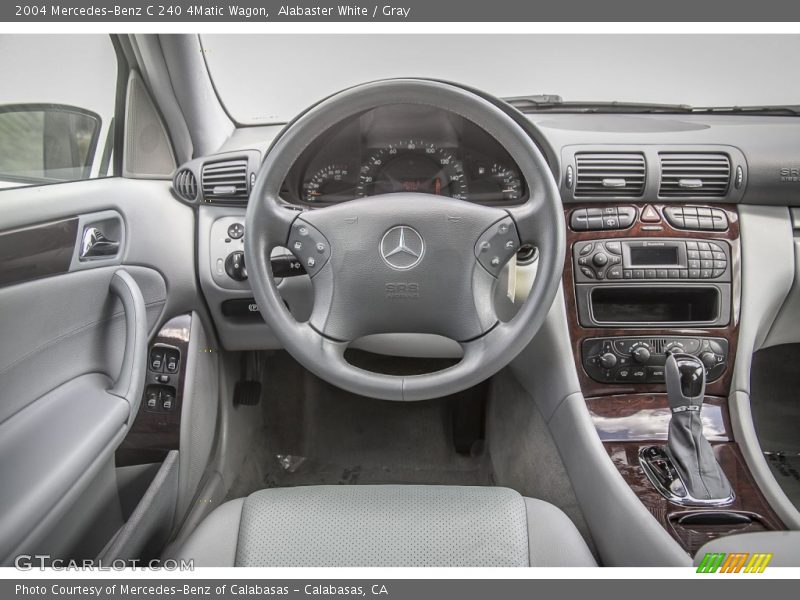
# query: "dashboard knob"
x,y
641,354
600,259
709,359
608,360
234,266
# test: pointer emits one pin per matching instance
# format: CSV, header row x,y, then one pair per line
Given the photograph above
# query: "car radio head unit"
x,y
638,259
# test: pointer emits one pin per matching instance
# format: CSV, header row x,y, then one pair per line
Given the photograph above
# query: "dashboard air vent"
x,y
185,185
694,174
609,174
226,181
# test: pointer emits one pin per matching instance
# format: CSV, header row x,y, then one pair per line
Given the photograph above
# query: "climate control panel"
x,y
642,359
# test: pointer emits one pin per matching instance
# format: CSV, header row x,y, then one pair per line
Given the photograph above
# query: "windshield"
x,y
271,78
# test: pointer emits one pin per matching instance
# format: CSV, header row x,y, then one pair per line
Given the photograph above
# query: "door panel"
x,y
73,347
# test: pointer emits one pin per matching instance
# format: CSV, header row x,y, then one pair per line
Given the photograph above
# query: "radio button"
x,y
638,273
586,249
650,273
705,274
614,260
588,272
627,274
718,255
674,274
706,264
614,273
706,254
718,272
703,246
600,259
693,254
691,245
614,247
684,273
694,273
694,264
661,273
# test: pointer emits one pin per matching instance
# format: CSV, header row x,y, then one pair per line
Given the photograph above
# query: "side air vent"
x,y
185,185
225,181
694,174
609,174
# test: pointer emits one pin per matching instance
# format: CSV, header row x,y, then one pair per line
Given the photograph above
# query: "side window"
x,y
57,101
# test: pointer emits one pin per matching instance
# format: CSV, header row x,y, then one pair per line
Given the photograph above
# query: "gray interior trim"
x,y
766,233
199,413
624,531
745,434
150,58
193,89
152,517
786,327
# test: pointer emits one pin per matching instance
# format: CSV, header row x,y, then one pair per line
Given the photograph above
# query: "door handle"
x,y
94,244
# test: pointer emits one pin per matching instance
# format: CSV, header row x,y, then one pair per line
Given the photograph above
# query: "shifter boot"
x,y
688,448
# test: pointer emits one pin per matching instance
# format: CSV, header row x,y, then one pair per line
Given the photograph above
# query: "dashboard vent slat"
x,y
185,185
225,180
693,174
609,174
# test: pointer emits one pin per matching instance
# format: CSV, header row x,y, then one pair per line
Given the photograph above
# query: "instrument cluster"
x,y
405,148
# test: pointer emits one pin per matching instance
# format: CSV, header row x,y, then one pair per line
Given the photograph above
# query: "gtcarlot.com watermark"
x,y
29,562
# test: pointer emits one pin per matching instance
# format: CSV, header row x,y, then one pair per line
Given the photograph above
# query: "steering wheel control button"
x,y
236,231
402,247
309,246
503,240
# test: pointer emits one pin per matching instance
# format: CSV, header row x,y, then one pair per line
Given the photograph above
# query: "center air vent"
x,y
694,174
225,181
609,174
185,185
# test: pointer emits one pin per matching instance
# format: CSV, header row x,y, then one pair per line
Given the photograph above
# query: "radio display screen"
x,y
642,256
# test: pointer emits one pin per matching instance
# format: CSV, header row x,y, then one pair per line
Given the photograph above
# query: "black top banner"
x,y
400,11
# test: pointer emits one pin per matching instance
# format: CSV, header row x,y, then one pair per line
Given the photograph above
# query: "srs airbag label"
x,y
403,290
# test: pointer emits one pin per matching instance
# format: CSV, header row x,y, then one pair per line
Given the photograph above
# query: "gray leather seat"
x,y
386,526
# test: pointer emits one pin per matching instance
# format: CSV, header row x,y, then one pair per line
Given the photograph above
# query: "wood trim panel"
x,y
37,251
639,229
154,434
625,456
645,417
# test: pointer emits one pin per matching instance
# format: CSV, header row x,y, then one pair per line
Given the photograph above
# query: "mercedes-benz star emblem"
x,y
402,247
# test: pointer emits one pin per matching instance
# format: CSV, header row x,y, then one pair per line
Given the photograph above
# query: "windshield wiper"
x,y
552,102
777,110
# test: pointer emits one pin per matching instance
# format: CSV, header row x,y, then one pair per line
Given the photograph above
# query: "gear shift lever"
x,y
686,471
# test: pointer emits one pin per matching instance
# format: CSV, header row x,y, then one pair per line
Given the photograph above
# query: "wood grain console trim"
x,y
37,251
578,332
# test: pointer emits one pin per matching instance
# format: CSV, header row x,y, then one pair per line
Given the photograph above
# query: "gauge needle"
x,y
437,187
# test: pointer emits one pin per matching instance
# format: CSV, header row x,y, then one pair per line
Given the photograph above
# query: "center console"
x,y
644,281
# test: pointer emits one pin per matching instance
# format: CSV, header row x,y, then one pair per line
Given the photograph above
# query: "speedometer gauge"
x,y
329,184
412,166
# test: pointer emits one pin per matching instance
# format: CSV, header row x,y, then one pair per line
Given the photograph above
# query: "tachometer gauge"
x,y
328,185
412,166
495,183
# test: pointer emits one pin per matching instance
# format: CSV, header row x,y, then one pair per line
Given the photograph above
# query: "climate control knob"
x,y
709,360
608,360
641,354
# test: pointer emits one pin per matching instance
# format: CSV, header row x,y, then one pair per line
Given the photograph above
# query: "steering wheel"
x,y
405,262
